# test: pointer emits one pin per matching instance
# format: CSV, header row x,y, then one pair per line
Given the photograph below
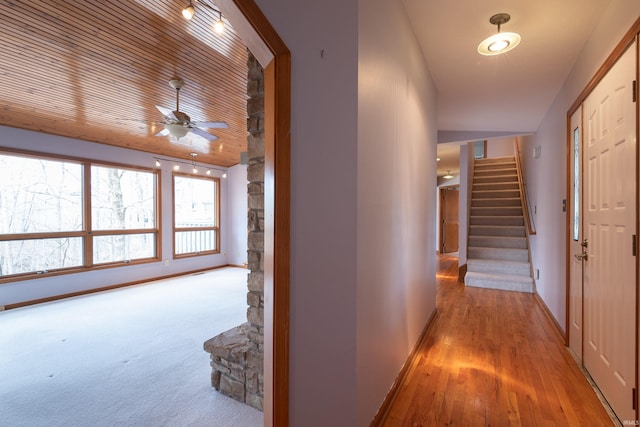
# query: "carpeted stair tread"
x,y
499,281
507,242
495,202
497,230
515,268
496,193
497,220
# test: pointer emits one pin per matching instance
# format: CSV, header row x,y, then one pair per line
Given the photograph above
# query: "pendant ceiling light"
x,y
500,42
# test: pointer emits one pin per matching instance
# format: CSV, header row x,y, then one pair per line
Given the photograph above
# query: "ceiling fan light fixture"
x,y
189,11
448,175
500,42
177,130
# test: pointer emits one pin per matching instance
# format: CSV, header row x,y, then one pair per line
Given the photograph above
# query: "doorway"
x,y
449,208
602,235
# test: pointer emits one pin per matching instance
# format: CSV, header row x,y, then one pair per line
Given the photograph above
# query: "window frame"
x,y
87,233
217,221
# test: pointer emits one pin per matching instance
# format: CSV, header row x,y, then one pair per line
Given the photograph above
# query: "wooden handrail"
x,y
523,194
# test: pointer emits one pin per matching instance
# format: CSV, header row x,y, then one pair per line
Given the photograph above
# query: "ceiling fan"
x,y
178,124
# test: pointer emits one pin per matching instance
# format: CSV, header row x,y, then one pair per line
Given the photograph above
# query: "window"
x,y
64,215
123,214
576,184
41,209
196,215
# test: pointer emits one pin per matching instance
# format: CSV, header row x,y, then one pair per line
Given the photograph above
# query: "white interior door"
x,y
610,218
576,236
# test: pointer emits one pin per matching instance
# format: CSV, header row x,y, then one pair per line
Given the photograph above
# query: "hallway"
x,y
492,358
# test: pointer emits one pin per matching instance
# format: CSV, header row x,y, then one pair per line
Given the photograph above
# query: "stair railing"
x,y
523,193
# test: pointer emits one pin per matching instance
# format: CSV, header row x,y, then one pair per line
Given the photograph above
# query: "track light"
x,y
218,26
194,166
500,42
189,12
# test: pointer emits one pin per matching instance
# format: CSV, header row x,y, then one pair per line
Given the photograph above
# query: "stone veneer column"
x,y
237,354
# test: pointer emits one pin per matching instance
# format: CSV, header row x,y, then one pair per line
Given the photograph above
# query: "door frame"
x,y
631,36
622,46
274,56
443,189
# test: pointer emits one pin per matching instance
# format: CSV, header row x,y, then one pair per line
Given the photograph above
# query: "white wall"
x,y
500,147
546,176
466,187
27,290
352,260
397,136
324,114
237,210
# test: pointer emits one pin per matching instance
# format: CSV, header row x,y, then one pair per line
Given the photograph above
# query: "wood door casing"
x,y
575,265
449,203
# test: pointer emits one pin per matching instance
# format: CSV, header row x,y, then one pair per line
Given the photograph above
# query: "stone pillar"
x,y
237,354
255,190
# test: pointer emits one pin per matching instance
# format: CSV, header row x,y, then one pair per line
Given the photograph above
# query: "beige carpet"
x,y
128,357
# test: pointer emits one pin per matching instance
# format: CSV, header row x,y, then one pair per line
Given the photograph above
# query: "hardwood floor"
x,y
493,358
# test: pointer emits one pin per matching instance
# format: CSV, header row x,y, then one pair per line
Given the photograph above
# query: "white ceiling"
x,y
504,93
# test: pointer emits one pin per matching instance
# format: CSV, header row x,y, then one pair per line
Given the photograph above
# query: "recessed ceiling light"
x,y
500,42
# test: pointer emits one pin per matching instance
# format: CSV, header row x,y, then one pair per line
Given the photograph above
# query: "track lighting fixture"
x,y
194,166
189,12
500,42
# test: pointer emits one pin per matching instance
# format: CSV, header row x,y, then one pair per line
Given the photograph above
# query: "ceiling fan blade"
x,y
167,112
211,125
163,132
204,134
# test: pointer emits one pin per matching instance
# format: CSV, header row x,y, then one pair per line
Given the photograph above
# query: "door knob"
x,y
582,257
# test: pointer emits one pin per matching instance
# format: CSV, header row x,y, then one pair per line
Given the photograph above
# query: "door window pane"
x,y
576,184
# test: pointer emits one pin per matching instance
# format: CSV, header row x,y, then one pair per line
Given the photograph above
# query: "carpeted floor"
x,y
128,357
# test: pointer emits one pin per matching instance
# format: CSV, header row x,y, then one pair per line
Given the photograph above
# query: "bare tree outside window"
x,y
42,211
123,203
39,197
196,215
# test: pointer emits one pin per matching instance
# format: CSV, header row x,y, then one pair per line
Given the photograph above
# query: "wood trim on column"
x,y
277,215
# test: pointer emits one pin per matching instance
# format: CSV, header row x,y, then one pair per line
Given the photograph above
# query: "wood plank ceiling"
x,y
96,69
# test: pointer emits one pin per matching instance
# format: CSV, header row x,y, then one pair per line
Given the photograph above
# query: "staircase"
x,y
497,254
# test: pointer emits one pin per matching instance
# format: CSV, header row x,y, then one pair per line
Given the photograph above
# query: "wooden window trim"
x,y
217,220
87,234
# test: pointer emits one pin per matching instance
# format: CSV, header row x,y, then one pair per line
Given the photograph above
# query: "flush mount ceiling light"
x,y
500,42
